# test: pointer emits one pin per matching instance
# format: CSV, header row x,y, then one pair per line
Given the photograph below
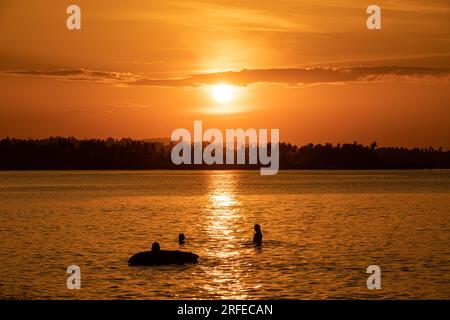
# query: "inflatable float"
x,y
162,257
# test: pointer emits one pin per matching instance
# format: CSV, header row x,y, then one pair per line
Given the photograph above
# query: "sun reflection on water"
x,y
223,216
222,213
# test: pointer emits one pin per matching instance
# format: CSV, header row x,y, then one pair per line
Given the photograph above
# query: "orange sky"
x,y
311,68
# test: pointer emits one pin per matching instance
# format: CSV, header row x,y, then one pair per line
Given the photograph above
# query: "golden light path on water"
x,y
223,216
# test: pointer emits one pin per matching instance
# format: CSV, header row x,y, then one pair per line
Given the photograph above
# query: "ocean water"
x,y
322,229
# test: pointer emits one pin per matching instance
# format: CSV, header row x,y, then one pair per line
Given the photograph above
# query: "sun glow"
x,y
223,93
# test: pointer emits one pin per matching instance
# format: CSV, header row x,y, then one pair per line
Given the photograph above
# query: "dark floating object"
x,y
162,257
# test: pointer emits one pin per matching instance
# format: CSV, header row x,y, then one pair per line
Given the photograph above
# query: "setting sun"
x,y
223,93
208,152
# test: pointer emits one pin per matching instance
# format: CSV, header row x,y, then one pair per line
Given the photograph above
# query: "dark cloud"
x,y
80,74
303,76
292,76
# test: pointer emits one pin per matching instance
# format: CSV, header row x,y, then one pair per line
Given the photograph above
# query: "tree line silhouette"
x,y
59,153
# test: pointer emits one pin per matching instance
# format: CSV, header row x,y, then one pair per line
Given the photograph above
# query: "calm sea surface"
x,y
322,229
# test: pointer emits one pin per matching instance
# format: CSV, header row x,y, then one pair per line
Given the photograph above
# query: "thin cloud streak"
x,y
79,74
304,76
290,76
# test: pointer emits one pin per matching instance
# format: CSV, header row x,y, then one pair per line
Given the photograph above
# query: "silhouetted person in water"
x,y
257,238
156,247
161,257
181,238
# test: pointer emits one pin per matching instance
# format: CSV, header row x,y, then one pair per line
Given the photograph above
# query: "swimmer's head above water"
x,y
155,247
257,238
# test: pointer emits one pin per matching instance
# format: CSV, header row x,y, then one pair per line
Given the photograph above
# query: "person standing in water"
x,y
257,238
181,238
